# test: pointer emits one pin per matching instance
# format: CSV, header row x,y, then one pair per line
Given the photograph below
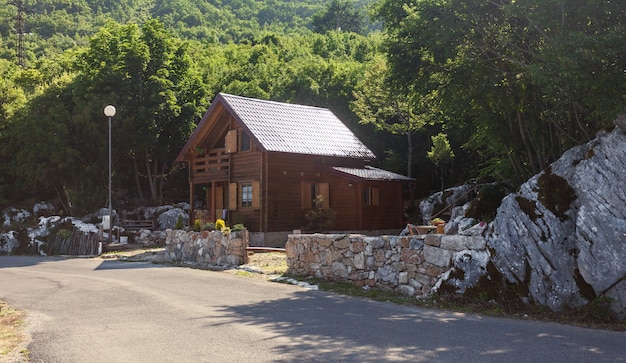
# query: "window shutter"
x,y
219,198
256,195
231,141
305,195
323,190
232,196
375,197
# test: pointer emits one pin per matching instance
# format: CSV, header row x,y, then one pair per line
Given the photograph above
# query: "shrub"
x,y
197,225
320,219
238,227
179,222
220,224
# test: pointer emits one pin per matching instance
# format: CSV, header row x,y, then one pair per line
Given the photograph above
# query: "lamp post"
x,y
109,111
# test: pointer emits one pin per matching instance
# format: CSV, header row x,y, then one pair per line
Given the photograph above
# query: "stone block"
x,y
339,270
460,243
409,256
415,284
403,278
432,240
325,242
434,271
424,280
343,243
359,261
357,246
437,256
406,290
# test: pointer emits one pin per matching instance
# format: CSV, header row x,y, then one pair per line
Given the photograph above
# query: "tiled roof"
x,y
289,128
372,173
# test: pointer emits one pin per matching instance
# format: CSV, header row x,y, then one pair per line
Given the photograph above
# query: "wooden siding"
x,y
246,168
389,213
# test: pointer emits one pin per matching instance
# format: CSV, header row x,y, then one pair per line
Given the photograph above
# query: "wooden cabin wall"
x,y
285,174
389,214
345,201
246,167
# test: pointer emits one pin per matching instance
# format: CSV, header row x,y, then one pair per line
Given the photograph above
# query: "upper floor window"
x,y
244,144
237,140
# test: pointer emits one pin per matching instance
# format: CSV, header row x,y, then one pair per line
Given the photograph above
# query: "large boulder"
x,y
169,218
563,234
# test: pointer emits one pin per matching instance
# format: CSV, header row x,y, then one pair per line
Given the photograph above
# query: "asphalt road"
x,y
94,310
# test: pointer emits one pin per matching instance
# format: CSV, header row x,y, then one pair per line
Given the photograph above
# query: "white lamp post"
x,y
109,111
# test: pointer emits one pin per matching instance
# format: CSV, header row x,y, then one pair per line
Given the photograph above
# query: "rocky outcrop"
x,y
563,234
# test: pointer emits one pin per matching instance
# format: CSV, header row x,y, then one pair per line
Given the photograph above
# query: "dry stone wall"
x,y
411,265
206,248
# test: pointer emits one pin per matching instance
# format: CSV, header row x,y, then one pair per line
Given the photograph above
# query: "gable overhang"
x,y
205,129
370,174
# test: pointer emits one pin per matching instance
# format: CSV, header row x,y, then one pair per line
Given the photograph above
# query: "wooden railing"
x,y
212,166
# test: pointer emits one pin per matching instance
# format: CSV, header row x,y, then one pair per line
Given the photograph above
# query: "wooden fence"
x,y
76,244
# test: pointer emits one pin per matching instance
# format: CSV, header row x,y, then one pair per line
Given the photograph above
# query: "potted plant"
x,y
440,224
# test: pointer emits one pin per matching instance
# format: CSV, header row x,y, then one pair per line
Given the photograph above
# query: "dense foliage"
x,y
506,86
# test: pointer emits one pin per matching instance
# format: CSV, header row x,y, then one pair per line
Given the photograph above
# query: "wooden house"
x,y
262,163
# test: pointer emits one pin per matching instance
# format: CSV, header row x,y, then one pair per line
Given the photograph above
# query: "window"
x,y
246,196
244,145
310,191
237,140
371,196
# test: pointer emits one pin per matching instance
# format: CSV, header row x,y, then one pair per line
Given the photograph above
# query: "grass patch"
x,y
11,330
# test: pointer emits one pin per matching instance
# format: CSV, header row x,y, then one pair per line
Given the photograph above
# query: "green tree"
x,y
339,15
440,153
149,79
389,109
522,78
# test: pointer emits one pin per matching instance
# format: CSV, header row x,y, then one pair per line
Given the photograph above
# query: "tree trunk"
x,y
410,154
137,183
151,182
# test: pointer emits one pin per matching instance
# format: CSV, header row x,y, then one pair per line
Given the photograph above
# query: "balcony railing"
x,y
212,166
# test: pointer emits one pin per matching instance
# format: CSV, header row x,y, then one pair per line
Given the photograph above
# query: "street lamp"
x,y
109,111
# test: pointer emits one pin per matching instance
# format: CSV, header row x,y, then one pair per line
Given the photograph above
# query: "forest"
x,y
443,91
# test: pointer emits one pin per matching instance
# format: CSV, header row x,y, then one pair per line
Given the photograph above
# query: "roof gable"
x,y
289,128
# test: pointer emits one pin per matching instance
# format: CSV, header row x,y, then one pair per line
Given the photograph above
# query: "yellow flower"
x,y
220,224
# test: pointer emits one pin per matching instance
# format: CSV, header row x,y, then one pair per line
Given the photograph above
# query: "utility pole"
x,y
20,29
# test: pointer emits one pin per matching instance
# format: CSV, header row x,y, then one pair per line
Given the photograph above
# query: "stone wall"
x,y
206,248
411,265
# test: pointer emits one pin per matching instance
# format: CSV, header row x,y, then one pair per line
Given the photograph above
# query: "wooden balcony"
x,y
212,166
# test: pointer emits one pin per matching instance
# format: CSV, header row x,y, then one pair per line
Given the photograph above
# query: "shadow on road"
x,y
23,261
127,265
370,331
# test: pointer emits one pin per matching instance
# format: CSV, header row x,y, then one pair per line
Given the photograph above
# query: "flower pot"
x,y
440,229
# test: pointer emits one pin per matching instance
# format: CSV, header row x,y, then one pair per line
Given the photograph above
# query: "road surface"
x,y
97,310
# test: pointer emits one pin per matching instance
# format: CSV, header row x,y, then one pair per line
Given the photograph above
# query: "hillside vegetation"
x,y
453,89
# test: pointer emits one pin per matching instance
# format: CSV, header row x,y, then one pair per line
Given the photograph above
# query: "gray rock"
x,y
169,218
8,242
620,122
437,256
563,235
14,215
471,265
450,198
